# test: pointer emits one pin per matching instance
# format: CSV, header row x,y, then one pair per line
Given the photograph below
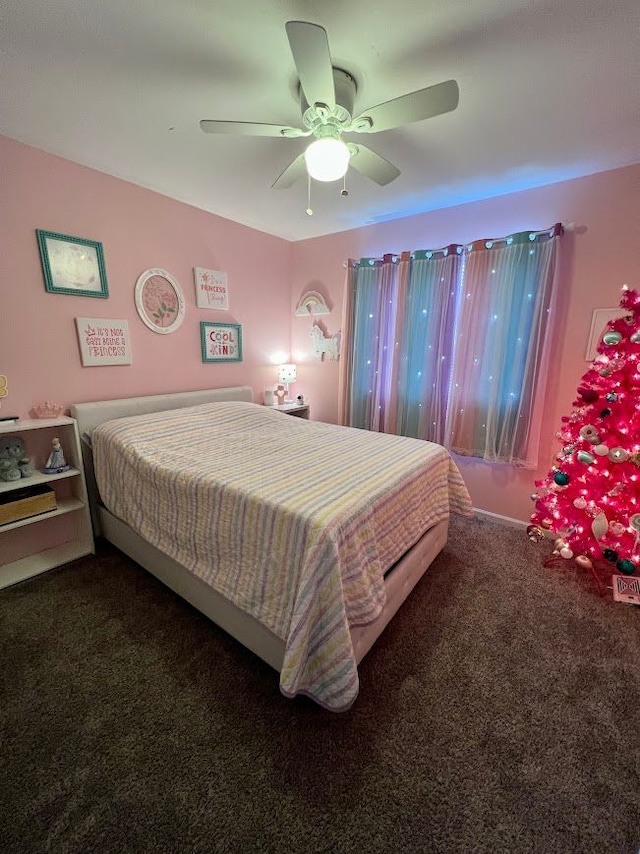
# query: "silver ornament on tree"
x,y
612,338
618,455
590,433
600,526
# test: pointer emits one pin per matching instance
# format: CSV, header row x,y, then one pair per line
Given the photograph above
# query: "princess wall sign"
x,y
211,289
103,341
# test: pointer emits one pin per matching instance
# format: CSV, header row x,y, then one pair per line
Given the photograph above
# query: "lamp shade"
x,y
286,373
327,159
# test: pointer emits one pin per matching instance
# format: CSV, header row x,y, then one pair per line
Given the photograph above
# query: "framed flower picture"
x,y
72,265
159,301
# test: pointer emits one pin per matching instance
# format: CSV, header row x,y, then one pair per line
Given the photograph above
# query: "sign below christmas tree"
x,y
626,589
591,496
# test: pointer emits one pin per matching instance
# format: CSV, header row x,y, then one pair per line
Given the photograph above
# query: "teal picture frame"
x,y
72,265
221,342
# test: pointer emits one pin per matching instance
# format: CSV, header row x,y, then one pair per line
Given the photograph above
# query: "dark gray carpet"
x,y
499,712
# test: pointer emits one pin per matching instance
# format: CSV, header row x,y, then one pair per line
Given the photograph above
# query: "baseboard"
x,y
513,523
502,520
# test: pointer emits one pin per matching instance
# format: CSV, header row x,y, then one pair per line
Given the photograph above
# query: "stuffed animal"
x,y
14,463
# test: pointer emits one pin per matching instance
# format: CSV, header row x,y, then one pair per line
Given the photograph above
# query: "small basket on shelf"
x,y
48,409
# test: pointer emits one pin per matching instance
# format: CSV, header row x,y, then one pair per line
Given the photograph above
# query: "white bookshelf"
x,y
71,498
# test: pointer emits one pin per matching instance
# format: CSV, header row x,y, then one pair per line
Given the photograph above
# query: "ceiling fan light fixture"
x,y
327,159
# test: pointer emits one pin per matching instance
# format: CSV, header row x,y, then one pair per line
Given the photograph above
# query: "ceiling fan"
x,y
327,98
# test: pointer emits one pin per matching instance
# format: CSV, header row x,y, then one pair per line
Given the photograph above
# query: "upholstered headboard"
x,y
89,415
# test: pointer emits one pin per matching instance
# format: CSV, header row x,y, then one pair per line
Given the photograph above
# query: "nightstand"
x,y
299,410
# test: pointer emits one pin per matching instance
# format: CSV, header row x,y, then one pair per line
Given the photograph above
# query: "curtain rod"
x,y
570,226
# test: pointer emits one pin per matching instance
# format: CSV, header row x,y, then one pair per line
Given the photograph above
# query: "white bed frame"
x,y
399,581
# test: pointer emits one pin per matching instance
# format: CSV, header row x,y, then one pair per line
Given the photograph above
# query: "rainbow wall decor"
x,y
312,303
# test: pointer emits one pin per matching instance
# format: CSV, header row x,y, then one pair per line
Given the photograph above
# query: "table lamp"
x,y
286,375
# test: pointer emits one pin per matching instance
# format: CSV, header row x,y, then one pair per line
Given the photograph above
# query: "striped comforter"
x,y
294,521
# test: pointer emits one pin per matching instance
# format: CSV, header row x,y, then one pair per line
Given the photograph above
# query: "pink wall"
x,y
138,229
601,255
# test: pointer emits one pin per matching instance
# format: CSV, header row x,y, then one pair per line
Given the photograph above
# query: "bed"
x,y
299,538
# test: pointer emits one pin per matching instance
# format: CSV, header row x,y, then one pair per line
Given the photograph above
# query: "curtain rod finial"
x,y
575,227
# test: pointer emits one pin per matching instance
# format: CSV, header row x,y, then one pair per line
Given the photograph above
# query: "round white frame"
x,y
142,281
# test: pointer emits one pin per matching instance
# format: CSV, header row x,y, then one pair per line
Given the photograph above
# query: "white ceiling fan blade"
x,y
310,48
251,129
372,165
294,171
414,107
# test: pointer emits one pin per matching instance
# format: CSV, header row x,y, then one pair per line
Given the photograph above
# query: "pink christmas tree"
x,y
591,496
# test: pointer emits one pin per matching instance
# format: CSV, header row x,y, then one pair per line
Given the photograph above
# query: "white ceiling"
x,y
549,89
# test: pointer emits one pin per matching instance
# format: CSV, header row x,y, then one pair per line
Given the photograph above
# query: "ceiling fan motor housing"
x,y
315,117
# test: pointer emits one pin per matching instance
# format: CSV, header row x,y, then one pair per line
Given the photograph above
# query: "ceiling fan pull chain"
x,y
309,210
344,191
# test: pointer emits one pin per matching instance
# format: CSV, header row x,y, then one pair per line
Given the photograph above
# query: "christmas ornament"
x,y
586,458
610,554
611,338
589,395
566,553
599,526
535,533
616,528
590,433
583,562
580,502
601,450
561,478
611,396
618,455
604,413
635,338
626,566
634,521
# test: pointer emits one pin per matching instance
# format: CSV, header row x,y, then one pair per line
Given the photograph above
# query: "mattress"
x,y
294,521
